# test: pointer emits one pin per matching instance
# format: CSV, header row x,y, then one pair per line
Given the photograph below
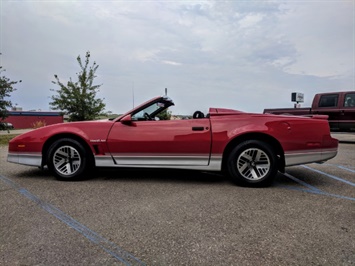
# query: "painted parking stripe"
x,y
312,189
346,169
123,256
319,192
342,167
328,175
302,182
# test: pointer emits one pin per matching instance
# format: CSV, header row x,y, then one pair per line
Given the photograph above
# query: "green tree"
x,y
164,115
6,88
78,99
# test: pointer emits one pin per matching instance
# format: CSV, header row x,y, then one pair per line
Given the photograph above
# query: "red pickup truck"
x,y
339,106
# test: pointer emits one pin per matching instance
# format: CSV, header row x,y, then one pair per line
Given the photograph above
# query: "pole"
x,y
133,93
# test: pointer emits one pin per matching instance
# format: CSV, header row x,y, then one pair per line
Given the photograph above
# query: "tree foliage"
x,y
164,115
6,88
78,99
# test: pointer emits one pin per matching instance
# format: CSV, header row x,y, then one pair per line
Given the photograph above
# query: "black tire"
x,y
252,163
68,160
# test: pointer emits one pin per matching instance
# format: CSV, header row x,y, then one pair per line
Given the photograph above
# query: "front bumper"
x,y
32,159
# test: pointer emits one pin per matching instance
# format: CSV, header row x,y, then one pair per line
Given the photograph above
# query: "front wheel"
x,y
68,160
252,163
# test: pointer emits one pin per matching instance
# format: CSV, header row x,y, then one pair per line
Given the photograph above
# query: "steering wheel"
x,y
198,114
147,116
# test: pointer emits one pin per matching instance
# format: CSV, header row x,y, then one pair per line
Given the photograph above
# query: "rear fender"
x,y
256,136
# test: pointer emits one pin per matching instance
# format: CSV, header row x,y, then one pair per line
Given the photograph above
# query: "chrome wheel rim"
x,y
66,160
253,164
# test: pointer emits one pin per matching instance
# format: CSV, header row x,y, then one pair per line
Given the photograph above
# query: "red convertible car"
x,y
250,148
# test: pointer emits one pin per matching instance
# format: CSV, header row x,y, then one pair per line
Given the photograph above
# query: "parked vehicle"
x,y
251,148
338,106
6,126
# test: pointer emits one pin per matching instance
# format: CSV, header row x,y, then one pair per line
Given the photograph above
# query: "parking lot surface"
x,y
136,217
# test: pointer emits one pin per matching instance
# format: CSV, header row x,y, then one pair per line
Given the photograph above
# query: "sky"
x,y
243,55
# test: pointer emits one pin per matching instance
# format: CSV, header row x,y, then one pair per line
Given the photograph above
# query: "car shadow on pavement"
x,y
171,176
134,175
298,176
159,175
35,173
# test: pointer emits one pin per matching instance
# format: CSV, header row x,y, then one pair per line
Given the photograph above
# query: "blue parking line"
x,y
109,247
345,168
302,182
319,192
312,189
342,167
328,175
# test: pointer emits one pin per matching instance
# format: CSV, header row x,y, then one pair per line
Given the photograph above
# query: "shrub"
x,y
39,124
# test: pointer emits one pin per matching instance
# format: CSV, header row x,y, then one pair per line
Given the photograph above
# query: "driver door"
x,y
161,143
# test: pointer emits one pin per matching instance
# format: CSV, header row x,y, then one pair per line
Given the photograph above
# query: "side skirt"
x,y
178,162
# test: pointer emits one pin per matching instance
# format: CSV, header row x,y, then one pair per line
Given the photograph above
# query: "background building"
x,y
33,119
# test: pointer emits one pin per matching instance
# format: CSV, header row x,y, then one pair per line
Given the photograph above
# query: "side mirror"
x,y
126,120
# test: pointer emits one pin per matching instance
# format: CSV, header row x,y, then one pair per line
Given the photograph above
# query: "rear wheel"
x,y
252,163
68,160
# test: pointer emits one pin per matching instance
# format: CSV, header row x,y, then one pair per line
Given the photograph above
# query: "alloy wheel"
x,y
66,160
253,164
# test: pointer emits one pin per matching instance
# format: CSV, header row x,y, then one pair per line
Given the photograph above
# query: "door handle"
x,y
198,128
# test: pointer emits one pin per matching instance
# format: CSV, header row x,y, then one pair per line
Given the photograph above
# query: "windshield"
x,y
151,111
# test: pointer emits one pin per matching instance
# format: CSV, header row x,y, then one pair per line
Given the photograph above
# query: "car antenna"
x,y
133,93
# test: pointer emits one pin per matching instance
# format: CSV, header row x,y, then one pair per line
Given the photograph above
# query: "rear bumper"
x,y
304,157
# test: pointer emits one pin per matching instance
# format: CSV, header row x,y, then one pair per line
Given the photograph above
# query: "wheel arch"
x,y
54,138
275,144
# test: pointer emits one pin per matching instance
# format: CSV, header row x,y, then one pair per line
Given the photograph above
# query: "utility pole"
x,y
133,92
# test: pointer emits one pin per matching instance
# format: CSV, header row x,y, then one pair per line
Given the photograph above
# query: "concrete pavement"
x,y
344,137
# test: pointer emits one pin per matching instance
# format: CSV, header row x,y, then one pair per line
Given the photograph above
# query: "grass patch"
x,y
5,138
